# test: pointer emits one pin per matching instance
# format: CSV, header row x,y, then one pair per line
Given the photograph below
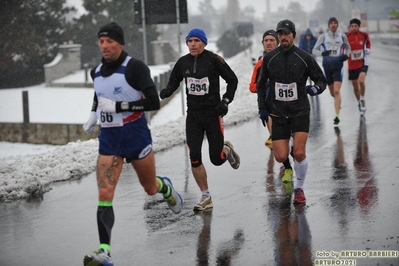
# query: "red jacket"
x,y
255,72
360,48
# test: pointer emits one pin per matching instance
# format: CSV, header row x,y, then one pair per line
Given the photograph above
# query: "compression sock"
x,y
107,248
163,188
301,170
105,222
287,164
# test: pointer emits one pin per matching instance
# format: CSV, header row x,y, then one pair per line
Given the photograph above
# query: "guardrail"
x,y
389,39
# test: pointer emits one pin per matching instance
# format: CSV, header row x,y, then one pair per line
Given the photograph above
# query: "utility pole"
x,y
179,46
144,32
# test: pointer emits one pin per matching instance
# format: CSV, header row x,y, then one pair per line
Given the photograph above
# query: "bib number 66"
x,y
106,117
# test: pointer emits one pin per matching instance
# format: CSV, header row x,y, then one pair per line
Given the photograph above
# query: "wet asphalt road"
x,y
352,199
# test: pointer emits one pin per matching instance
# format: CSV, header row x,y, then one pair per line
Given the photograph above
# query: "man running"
x,y
358,64
124,89
288,102
334,47
270,42
201,71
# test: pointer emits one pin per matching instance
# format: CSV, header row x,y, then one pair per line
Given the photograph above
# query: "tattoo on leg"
x,y
105,173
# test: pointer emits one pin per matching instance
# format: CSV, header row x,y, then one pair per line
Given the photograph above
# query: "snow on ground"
x,y
28,169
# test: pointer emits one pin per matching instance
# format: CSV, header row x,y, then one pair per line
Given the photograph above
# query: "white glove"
x,y
367,51
90,125
106,105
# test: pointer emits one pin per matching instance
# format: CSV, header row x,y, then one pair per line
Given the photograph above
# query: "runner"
x,y
123,90
358,62
201,71
288,102
334,47
270,41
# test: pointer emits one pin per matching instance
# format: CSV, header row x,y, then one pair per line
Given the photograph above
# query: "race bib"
x,y
334,50
357,54
198,86
286,92
110,119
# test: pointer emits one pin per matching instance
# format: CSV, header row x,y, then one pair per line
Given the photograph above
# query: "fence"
x,y
57,134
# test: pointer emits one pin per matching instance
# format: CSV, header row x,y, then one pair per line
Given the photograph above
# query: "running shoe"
x,y
269,142
299,196
232,157
174,201
337,131
336,120
205,203
98,258
288,173
289,187
362,107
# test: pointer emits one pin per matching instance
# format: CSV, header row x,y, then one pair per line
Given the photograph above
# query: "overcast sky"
x,y
259,5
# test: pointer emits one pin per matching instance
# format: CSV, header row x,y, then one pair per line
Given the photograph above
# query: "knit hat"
x,y
356,21
196,32
287,26
272,33
332,19
112,30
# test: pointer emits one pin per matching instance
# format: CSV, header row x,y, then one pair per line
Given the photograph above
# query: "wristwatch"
x,y
125,105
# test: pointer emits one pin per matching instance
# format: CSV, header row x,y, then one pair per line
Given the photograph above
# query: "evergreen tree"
x,y
30,34
85,29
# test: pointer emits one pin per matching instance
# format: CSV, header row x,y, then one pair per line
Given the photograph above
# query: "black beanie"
x,y
332,19
112,30
356,21
272,33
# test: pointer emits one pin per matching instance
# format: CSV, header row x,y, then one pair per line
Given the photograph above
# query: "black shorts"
x,y
282,128
354,74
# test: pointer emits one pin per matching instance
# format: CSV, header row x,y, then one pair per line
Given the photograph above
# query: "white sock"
x,y
301,170
206,193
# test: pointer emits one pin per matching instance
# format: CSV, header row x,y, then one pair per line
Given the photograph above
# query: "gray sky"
x,y
259,5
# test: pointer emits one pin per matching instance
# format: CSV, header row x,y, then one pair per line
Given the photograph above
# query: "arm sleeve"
x,y
138,76
316,49
175,77
255,73
368,43
229,76
149,103
95,100
346,45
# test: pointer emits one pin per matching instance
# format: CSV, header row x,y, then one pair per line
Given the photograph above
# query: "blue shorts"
x,y
333,74
132,141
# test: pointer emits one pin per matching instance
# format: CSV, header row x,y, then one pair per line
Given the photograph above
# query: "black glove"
x,y
222,108
312,90
344,58
165,93
326,53
264,116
